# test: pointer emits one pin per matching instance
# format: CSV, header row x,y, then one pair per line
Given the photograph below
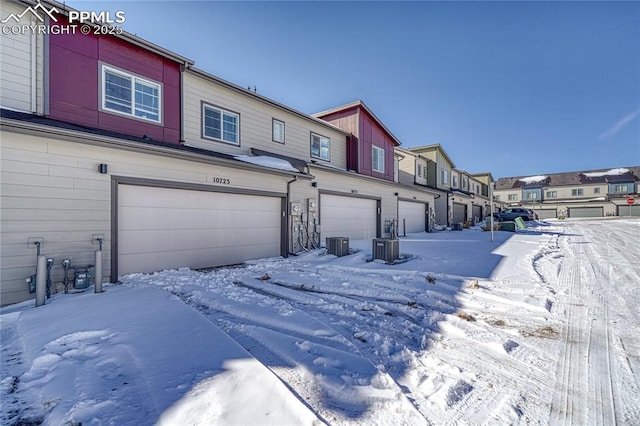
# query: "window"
x,y
596,190
513,197
444,175
128,94
220,125
454,181
320,147
465,182
552,194
420,170
496,198
277,133
577,192
532,195
620,188
378,159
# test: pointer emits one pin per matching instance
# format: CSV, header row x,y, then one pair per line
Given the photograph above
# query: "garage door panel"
x,y
459,213
625,211
192,258
161,228
546,213
411,216
351,217
136,218
586,212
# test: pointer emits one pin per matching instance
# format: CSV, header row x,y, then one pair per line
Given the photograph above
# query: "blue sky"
x,y
515,88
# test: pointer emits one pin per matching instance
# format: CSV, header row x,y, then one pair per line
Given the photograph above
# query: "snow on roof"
x,y
533,179
266,161
612,172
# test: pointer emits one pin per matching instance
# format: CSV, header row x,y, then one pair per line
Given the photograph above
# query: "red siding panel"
x,y
74,80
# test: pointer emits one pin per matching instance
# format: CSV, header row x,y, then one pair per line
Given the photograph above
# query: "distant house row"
x,y
587,193
111,140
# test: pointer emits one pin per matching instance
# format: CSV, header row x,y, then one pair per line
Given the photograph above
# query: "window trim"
x,y
512,197
134,78
273,130
319,156
552,194
577,192
203,135
444,177
378,150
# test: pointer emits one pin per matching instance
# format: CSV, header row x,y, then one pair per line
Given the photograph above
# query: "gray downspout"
x,y
288,227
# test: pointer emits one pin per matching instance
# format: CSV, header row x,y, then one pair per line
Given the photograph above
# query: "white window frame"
x,y
419,170
377,159
277,136
513,197
532,195
136,112
454,181
222,113
320,140
444,176
552,194
579,192
596,190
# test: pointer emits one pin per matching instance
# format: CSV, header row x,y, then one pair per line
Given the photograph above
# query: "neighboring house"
x,y
374,171
439,176
588,193
469,197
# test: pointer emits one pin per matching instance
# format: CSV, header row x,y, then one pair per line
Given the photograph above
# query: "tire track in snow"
x,y
569,401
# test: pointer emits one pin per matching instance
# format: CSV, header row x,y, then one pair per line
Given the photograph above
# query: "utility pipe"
x,y
41,280
98,268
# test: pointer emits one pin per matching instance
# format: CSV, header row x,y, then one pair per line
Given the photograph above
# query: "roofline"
x,y
576,172
485,174
359,103
44,130
436,146
131,38
264,99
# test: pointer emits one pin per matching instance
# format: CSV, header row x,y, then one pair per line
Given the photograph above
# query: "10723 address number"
x,y
220,180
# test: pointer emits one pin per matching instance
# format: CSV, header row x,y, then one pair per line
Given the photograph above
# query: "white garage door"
x,y
546,213
626,211
351,217
162,228
411,217
586,212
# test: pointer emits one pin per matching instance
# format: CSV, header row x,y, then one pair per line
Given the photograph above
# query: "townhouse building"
x,y
586,193
112,142
461,197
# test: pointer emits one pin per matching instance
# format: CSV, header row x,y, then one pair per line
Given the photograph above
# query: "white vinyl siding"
x,y
256,125
378,159
128,94
21,64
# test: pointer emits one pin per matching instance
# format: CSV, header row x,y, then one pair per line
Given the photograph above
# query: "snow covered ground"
x,y
538,327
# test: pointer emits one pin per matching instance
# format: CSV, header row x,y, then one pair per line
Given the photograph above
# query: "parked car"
x,y
512,213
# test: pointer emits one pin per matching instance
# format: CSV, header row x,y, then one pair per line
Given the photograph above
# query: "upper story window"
x,y
552,194
577,192
420,170
378,159
128,94
220,124
513,197
496,198
532,195
454,181
620,188
465,183
320,147
596,190
444,175
277,133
